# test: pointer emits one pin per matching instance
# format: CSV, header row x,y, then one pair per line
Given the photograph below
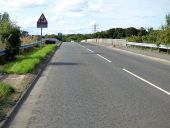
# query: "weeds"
x,y
5,89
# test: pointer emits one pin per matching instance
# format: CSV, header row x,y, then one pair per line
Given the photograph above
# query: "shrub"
x,y
5,89
10,35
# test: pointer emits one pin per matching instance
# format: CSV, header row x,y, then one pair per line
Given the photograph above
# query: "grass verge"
x,y
5,89
6,92
26,63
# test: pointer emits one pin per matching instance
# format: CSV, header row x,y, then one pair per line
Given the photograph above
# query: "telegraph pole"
x,y
95,30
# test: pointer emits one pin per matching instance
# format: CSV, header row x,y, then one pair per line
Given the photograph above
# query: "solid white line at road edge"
x,y
153,85
104,58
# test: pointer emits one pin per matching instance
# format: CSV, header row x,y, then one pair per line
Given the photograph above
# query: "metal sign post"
x,y
42,23
41,36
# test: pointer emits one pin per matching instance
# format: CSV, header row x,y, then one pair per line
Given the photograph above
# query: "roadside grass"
x,y
6,98
23,64
27,62
6,89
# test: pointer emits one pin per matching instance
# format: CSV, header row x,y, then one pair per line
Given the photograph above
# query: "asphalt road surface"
x,y
89,86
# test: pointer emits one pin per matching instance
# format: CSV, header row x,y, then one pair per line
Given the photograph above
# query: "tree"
x,y
167,21
142,32
164,37
24,33
131,32
10,35
150,30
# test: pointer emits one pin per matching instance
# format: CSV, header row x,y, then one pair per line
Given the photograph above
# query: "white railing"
x,y
147,45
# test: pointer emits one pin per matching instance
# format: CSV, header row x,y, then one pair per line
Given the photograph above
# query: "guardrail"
x,y
124,43
147,45
2,52
152,46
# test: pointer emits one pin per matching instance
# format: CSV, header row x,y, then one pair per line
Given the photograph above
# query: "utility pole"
x,y
95,30
0,17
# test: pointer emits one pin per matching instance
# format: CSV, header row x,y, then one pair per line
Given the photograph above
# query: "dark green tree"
x,y
167,21
10,35
24,33
131,32
142,32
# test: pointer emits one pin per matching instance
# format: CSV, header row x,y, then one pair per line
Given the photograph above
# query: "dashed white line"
x,y
89,50
153,85
97,54
81,45
104,58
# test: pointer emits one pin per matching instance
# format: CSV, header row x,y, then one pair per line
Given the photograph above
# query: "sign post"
x,y
42,23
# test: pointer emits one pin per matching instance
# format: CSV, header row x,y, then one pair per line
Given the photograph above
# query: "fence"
x,y
107,42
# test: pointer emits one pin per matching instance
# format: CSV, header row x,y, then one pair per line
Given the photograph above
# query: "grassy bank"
x,y
6,92
27,62
23,64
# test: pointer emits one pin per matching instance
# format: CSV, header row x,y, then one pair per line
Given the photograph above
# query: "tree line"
x,y
161,36
132,34
10,35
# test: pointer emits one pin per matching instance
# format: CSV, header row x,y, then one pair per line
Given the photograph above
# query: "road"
x,y
89,86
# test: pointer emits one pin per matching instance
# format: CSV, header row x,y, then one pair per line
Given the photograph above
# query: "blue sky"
x,y
79,16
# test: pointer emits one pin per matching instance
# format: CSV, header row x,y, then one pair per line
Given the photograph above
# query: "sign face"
x,y
59,34
42,22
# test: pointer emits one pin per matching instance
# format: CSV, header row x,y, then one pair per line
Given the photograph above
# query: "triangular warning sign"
x,y
42,20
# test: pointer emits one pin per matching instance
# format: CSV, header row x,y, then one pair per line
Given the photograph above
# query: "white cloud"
x,y
74,5
74,15
29,22
92,23
20,4
77,8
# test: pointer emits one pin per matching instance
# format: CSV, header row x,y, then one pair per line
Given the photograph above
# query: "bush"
x,y
5,89
50,42
164,37
10,35
135,39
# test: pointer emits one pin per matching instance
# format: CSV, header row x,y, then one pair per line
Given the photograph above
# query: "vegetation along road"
x,y
88,86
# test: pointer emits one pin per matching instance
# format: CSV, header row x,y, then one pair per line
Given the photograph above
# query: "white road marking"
x,y
97,54
153,85
104,58
81,45
89,50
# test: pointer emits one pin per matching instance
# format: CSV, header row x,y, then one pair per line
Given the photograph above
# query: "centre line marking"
x,y
104,58
89,50
153,85
81,45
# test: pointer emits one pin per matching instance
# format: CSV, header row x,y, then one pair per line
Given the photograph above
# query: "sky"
x,y
79,16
